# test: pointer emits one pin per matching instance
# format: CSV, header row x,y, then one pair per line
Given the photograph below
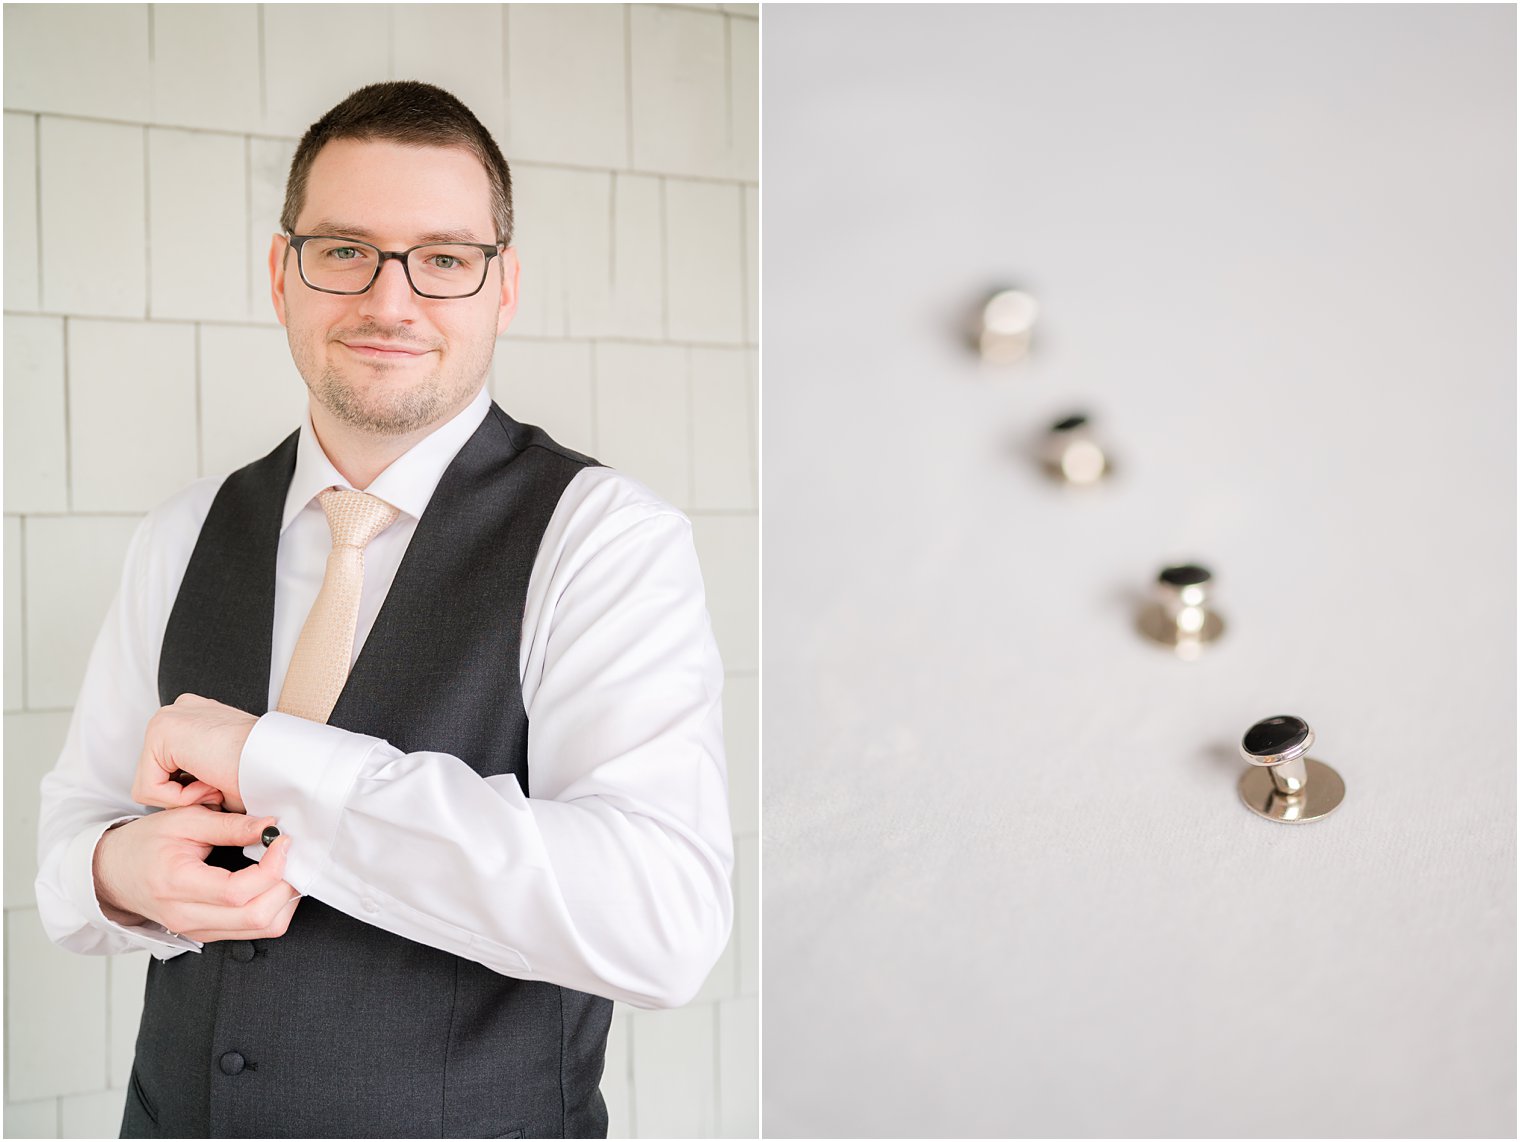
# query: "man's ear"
x,y
509,269
277,260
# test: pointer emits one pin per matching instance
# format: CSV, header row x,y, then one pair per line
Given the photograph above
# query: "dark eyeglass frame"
x,y
296,241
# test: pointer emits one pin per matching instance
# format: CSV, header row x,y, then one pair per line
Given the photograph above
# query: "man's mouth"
x,y
384,350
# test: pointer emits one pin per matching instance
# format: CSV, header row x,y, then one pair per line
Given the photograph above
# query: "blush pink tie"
x,y
319,666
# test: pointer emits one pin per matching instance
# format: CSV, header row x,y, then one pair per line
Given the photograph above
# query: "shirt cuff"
x,y
300,773
79,886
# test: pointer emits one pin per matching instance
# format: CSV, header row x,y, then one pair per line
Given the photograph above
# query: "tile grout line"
x,y
147,228
21,574
629,1071
596,444
664,268
728,90
68,425
628,81
263,63
505,106
248,221
534,338
691,431
717,1075
37,179
279,137
200,427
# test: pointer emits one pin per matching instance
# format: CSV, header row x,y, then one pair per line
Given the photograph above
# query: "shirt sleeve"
x,y
614,877
87,791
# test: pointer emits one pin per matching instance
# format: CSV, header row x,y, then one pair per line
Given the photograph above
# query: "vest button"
x,y
242,951
232,1063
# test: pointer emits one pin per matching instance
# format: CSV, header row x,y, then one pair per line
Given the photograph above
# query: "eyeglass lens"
x,y
349,267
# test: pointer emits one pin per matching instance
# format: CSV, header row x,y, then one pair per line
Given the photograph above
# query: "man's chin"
x,y
375,415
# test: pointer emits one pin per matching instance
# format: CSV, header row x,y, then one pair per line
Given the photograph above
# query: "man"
x,y
459,679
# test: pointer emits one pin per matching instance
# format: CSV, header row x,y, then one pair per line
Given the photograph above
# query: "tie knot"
x,y
355,517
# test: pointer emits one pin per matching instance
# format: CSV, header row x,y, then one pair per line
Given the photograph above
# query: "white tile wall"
x,y
722,981
729,548
752,265
617,1078
564,243
635,311
132,435
96,1115
77,59
723,463
643,415
680,80
37,1119
206,66
73,569
744,98
94,228
315,55
674,1072
741,744
36,454
15,661
127,977
197,199
554,48
32,744
252,396
268,165
638,257
61,999
455,46
747,926
21,268
704,231
547,383
738,1059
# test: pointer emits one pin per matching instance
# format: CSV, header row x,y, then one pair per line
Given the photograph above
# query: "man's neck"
x,y
361,456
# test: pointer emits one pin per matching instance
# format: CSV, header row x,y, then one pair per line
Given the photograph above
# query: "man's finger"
x,y
247,883
172,795
270,915
209,827
196,882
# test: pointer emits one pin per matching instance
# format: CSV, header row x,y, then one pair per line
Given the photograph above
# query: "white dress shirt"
x,y
613,878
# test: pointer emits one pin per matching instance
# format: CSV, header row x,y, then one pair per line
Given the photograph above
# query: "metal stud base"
x,y
1323,792
1158,626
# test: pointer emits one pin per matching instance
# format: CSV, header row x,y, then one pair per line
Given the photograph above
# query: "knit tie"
x,y
319,666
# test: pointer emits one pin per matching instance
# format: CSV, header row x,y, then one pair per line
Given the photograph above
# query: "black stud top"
x,y
269,835
1076,420
1186,575
1275,735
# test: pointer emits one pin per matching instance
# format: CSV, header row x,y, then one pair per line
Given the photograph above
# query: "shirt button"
x,y
242,951
369,905
231,1063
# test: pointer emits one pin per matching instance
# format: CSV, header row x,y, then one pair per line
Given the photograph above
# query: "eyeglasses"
x,y
435,269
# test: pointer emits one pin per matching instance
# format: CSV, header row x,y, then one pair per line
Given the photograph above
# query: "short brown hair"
x,y
403,111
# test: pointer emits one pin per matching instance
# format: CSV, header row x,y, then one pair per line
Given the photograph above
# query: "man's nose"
x,y
390,297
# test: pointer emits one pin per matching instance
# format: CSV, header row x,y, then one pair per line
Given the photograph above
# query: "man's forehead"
x,y
363,187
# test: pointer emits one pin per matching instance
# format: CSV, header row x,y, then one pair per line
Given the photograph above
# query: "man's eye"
x,y
345,253
446,262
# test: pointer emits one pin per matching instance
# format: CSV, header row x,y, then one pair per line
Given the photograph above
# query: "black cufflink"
x,y
269,835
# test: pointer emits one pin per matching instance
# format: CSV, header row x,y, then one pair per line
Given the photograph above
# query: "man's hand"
x,y
155,868
199,737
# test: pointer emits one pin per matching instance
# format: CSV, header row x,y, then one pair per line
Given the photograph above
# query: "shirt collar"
x,y
407,484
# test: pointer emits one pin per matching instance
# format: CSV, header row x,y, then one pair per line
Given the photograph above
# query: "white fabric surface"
x,y
1009,886
613,878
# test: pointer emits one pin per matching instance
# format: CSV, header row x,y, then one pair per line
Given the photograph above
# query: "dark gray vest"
x,y
337,1028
